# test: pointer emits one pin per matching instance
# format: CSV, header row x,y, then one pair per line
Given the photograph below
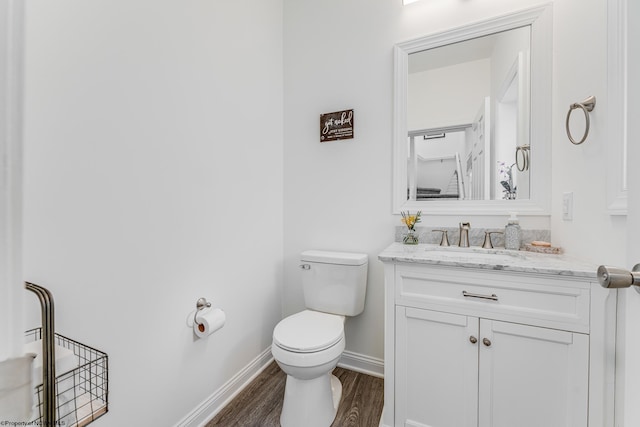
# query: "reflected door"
x,y
479,155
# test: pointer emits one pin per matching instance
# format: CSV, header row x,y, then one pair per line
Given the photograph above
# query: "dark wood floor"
x,y
260,403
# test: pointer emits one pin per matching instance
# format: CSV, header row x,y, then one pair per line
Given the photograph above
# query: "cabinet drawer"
x,y
554,303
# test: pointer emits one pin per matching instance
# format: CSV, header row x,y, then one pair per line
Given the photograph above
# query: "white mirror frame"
x,y
540,20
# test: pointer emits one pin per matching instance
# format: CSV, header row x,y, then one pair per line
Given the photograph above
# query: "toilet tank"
x,y
334,282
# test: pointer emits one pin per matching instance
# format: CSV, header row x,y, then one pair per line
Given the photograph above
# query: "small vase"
x,y
411,238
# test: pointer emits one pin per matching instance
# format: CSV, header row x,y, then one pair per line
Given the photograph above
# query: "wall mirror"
x,y
472,117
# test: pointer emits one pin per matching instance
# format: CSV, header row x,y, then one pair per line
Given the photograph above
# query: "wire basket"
x,y
81,392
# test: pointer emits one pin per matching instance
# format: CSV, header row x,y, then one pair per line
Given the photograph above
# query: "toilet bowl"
x,y
307,346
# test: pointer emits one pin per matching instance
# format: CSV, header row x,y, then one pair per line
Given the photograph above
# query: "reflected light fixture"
x,y
434,135
406,2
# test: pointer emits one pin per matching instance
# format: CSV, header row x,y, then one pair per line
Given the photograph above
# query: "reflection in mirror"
x,y
467,112
472,124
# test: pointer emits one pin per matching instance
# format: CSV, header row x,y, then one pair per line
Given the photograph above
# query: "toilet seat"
x,y
309,331
308,360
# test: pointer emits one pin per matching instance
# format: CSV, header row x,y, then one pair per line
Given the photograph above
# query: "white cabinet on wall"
x,y
471,344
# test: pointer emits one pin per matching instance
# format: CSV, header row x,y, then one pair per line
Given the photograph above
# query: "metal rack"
x,y
77,396
48,353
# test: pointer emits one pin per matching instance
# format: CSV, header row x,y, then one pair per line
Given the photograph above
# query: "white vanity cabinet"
x,y
489,373
470,344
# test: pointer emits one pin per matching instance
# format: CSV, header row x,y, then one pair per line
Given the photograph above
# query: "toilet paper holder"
x,y
201,304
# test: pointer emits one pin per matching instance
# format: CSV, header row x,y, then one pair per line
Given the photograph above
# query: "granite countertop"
x,y
489,259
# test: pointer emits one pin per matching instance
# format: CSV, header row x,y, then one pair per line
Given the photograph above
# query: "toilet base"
x,y
311,403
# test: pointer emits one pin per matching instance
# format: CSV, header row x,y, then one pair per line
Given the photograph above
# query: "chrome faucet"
x,y
488,244
444,241
463,242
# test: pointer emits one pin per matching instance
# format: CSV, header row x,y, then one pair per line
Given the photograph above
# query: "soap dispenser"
x,y
512,233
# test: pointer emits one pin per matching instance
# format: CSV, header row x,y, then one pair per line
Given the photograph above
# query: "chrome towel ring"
x,y
587,105
522,157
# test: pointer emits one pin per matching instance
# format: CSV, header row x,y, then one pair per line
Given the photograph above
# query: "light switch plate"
x,y
567,206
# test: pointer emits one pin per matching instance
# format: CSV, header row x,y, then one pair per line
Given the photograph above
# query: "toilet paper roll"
x,y
208,321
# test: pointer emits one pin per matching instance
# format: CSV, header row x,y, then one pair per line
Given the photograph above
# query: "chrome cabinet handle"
x,y
473,339
305,266
492,297
486,342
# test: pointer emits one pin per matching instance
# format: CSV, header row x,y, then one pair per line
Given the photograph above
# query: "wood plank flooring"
x,y
260,403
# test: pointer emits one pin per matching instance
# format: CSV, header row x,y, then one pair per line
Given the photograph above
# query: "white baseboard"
x,y
382,424
362,363
204,412
208,409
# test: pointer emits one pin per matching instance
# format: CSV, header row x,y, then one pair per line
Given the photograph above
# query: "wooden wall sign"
x,y
336,126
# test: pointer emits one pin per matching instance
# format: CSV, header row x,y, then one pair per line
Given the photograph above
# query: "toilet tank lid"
x,y
329,257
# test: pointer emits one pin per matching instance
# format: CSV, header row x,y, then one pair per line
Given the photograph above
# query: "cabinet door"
x,y
436,369
532,377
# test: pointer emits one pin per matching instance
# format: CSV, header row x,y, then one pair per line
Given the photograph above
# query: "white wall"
x,y
449,145
154,177
134,114
460,102
11,286
339,195
593,233
338,55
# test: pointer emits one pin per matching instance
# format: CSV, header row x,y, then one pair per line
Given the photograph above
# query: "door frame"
x,y
628,349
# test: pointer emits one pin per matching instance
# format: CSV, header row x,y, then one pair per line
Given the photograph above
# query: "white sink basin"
x,y
474,254
476,257
492,259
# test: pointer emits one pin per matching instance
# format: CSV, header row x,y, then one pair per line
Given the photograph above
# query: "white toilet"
x,y
308,345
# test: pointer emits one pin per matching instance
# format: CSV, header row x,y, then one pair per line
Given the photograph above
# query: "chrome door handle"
x,y
492,297
473,339
486,342
613,277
